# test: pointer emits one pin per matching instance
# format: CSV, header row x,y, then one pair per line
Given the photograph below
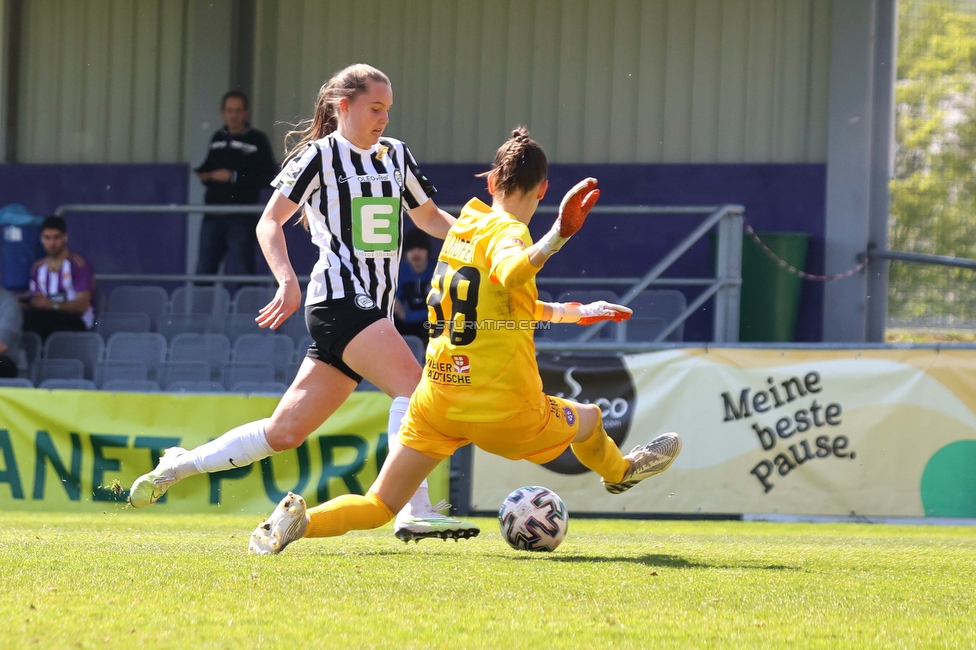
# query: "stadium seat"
x,y
237,324
195,387
15,382
131,386
639,328
260,387
67,384
564,332
32,346
417,346
249,300
148,299
301,347
213,300
666,304
294,327
123,321
149,347
212,348
172,324
236,372
107,371
172,371
277,349
57,369
87,347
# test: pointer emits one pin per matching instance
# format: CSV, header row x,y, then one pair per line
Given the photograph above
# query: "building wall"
x,y
596,81
102,81
673,81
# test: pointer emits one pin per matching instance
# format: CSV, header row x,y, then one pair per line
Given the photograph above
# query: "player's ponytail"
x,y
520,164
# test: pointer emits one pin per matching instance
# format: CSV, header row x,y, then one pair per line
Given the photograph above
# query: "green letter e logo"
x,y
376,223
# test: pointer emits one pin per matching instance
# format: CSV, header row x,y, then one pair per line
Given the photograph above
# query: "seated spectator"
x,y
415,277
11,320
62,286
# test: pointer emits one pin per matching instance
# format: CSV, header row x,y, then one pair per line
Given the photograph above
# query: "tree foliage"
x,y
933,195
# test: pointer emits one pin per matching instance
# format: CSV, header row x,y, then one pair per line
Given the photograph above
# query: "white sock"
x,y
420,501
238,447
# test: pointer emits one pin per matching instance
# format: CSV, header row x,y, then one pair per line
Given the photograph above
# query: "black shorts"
x,y
334,323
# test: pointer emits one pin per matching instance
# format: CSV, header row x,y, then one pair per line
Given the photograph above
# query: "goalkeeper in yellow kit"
x,y
481,383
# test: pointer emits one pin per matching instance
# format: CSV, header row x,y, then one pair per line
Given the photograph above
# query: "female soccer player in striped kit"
x,y
481,383
355,184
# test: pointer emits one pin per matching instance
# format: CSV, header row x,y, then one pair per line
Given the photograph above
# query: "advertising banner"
x,y
877,433
79,451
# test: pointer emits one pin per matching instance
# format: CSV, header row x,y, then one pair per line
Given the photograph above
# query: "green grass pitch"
x,y
139,580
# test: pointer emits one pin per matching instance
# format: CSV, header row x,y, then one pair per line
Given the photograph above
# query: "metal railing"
x,y
953,294
724,286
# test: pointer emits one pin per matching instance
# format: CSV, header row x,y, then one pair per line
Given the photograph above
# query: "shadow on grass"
x,y
669,561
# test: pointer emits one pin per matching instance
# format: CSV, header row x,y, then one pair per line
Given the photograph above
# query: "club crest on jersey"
x,y
461,363
570,416
364,302
398,177
292,172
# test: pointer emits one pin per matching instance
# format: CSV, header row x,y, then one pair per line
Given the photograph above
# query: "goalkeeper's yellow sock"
x,y
345,513
600,453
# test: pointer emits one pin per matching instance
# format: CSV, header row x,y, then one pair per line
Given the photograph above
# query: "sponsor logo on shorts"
x,y
364,302
461,364
570,416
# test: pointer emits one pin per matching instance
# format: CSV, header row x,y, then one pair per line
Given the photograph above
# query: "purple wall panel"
x,y
776,198
115,243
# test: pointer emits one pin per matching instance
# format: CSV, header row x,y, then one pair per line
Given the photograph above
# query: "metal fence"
x,y
933,197
724,286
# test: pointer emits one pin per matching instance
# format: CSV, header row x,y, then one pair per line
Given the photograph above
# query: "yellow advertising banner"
x,y
66,450
873,432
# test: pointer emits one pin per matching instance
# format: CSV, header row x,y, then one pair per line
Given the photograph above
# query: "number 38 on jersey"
x,y
453,303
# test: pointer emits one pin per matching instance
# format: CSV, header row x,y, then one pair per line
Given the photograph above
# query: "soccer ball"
x,y
533,518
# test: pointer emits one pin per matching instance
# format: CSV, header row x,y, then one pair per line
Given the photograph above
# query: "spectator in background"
x,y
62,286
11,321
239,164
416,273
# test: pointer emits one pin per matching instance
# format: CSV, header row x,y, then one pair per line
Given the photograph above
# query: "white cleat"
x,y
286,524
647,461
431,524
148,488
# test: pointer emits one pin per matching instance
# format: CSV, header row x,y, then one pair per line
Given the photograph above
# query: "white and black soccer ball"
x,y
533,518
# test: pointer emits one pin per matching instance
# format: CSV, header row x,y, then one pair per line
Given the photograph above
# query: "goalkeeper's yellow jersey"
x,y
480,363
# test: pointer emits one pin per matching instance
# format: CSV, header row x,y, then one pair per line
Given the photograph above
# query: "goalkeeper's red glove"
x,y
572,213
594,312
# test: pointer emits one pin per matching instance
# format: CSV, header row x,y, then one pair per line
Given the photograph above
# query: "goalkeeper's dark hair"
x,y
520,164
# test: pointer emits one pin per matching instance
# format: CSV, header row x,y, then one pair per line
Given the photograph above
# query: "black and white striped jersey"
x,y
354,201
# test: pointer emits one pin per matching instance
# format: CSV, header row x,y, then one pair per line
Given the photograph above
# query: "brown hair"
x,y
346,83
520,164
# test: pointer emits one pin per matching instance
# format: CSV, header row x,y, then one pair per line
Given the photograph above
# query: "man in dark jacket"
x,y
239,164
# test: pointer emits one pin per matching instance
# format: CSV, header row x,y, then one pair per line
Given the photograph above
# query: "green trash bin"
x,y
770,297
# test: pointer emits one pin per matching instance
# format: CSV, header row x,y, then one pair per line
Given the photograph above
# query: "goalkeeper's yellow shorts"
x,y
537,434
